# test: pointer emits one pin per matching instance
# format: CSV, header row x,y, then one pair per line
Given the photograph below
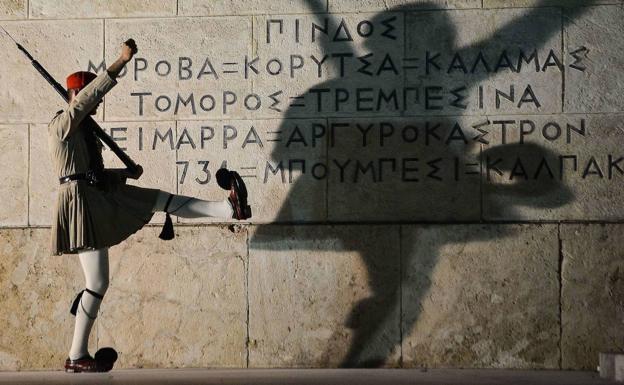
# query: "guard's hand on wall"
x,y
128,50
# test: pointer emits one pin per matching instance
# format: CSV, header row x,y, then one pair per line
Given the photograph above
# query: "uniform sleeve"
x,y
66,122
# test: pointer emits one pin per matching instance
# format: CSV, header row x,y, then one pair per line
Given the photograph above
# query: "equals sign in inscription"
x,y
274,133
299,103
249,168
472,172
409,63
225,71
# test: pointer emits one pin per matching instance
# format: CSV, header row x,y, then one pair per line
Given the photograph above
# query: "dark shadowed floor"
x,y
307,376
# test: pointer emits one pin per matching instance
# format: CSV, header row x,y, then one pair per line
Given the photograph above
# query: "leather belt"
x,y
89,176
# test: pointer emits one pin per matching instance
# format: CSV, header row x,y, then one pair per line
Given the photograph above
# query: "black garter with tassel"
x,y
74,306
167,230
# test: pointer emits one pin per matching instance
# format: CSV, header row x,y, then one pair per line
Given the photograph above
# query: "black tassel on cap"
x,y
167,230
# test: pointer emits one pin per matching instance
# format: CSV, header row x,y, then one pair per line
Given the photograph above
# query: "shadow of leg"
x,y
370,348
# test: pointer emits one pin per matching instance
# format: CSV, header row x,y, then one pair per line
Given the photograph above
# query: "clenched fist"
x,y
128,50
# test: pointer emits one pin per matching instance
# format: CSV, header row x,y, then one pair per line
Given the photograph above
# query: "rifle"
x,y
132,167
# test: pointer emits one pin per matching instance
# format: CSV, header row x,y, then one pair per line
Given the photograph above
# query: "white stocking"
x,y
95,263
95,267
188,207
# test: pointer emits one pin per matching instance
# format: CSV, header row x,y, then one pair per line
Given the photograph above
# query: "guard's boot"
x,y
83,364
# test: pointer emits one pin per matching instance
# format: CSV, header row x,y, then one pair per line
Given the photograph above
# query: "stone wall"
x,y
434,183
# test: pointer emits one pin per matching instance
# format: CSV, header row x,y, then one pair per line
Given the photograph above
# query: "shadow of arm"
x,y
572,10
320,10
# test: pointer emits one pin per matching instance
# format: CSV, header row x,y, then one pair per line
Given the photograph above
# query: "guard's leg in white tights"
x,y
95,267
188,207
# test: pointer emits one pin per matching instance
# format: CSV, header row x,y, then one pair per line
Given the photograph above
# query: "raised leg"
x,y
189,207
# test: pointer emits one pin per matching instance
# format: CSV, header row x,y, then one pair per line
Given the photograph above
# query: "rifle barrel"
x,y
132,166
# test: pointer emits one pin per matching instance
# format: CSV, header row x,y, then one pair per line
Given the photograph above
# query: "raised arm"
x,y
320,11
515,28
128,50
83,103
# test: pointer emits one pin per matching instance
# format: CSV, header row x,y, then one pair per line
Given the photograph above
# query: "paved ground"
x,y
307,377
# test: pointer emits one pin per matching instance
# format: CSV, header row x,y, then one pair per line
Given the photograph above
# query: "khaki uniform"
x,y
87,217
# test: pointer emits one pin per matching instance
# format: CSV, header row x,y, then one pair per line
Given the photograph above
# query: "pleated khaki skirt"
x,y
89,218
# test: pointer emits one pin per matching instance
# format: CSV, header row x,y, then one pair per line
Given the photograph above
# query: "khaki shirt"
x,y
66,140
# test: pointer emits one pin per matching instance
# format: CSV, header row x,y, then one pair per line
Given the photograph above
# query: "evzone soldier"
x,y
96,209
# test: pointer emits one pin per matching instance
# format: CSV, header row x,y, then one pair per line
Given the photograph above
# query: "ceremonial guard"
x,y
96,209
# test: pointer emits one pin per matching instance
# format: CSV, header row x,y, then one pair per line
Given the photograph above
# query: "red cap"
x,y
78,80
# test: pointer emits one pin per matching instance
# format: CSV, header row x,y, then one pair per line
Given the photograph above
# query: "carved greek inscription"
x,y
374,81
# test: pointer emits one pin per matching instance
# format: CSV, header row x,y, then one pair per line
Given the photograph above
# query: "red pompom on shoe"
x,y
105,358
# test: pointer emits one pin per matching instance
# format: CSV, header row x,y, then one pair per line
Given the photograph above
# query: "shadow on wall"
x,y
391,199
